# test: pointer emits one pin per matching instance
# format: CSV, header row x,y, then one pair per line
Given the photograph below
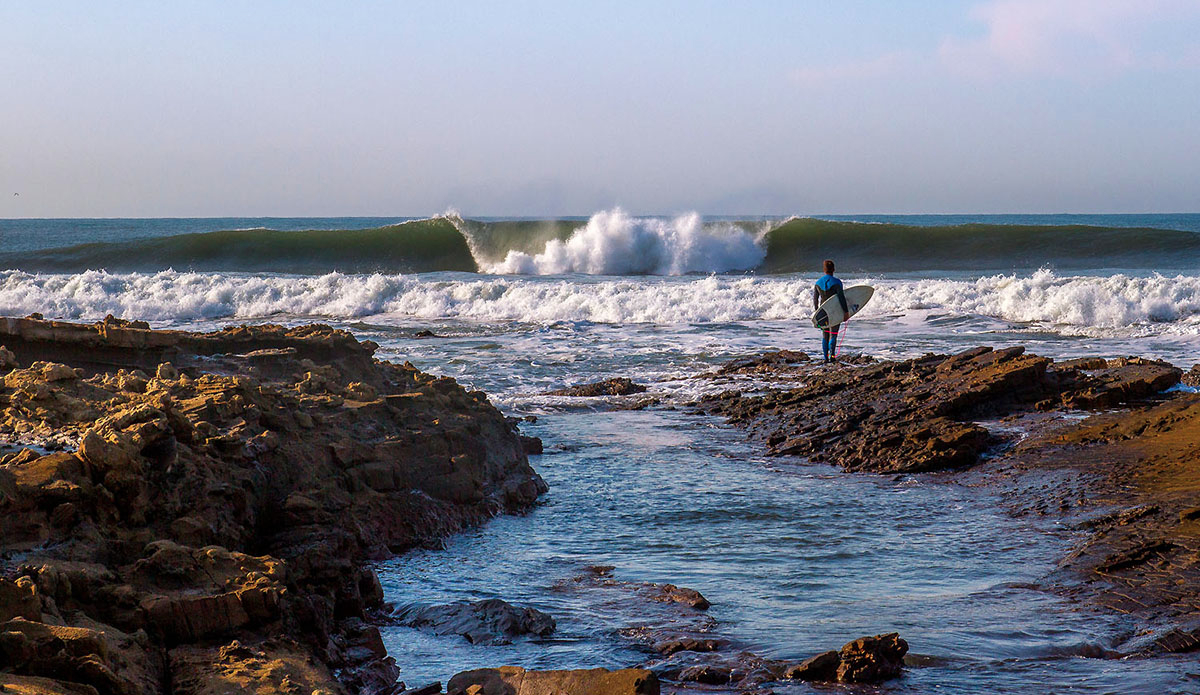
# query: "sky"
x,y
143,109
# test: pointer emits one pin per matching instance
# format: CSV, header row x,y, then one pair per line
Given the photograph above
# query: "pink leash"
x,y
841,339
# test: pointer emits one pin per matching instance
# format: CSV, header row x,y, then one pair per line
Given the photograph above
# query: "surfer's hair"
x,y
829,266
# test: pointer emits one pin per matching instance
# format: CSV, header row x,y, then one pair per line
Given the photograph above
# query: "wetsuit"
x,y
825,288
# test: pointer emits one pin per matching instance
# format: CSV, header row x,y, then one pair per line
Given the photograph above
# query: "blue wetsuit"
x,y
825,288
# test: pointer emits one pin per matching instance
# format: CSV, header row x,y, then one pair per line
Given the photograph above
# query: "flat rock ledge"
x,y
481,622
513,680
194,513
921,414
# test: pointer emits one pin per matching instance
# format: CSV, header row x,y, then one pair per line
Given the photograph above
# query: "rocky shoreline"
x,y
1127,430
196,513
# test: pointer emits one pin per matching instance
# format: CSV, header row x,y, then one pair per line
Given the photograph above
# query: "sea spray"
x,y
1069,304
614,243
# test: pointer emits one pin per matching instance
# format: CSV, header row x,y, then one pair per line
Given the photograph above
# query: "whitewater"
x,y
1063,303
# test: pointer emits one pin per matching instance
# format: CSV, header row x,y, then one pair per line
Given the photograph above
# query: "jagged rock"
x,y
290,442
1191,378
864,660
620,386
706,673
687,644
872,659
483,622
919,414
19,600
280,666
678,594
533,445
770,362
513,680
7,359
822,667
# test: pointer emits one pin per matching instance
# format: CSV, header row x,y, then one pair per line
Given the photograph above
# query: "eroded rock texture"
x,y
193,512
920,414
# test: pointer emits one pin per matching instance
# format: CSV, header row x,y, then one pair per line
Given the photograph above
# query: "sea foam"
x,y
1069,304
614,243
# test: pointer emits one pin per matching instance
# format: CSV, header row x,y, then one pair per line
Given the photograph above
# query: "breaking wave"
x,y
1067,302
615,243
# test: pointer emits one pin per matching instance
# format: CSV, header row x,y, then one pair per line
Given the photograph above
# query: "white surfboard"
x,y
830,312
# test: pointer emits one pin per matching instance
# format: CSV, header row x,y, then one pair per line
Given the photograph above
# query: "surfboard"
x,y
830,312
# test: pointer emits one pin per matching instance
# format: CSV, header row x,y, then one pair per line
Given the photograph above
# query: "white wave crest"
x,y
1064,304
1082,301
614,243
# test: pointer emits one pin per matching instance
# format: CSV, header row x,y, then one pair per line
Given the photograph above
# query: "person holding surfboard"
x,y
829,286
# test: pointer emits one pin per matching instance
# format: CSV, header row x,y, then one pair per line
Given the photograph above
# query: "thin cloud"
x,y
1072,37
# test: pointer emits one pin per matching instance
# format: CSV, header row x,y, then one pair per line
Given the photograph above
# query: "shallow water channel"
x,y
796,559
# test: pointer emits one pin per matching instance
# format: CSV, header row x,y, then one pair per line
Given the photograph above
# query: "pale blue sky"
x,y
541,108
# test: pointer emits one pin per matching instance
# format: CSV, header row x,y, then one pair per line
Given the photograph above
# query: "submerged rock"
x,y
483,622
620,386
865,660
513,680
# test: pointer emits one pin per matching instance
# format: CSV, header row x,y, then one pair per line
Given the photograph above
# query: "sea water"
x,y
796,558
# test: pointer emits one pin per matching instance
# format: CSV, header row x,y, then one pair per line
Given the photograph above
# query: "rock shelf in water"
x,y
192,513
1131,443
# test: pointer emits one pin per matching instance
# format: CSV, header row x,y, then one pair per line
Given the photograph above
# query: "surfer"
x,y
825,288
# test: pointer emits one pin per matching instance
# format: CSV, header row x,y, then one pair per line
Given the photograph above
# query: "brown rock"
x,y
19,600
620,386
687,644
706,673
678,594
872,659
822,667
513,680
483,622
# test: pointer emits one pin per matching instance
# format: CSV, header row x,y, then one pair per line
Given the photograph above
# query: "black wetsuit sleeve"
x,y
816,298
842,298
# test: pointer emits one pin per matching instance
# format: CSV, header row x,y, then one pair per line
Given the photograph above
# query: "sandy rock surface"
x,y
197,509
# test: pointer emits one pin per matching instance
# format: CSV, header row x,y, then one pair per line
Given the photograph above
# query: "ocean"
x,y
797,558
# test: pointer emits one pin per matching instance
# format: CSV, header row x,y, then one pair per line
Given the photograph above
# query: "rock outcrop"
x,y
619,386
483,622
513,680
865,660
920,414
197,509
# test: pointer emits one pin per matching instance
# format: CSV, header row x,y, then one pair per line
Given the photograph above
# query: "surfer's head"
x,y
828,267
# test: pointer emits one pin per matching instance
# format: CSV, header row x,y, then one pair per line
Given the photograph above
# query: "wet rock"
x,y
513,680
872,659
1140,553
1122,382
920,414
1191,378
822,667
768,362
678,594
483,622
620,386
864,660
687,644
532,445
1179,641
426,333
706,673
